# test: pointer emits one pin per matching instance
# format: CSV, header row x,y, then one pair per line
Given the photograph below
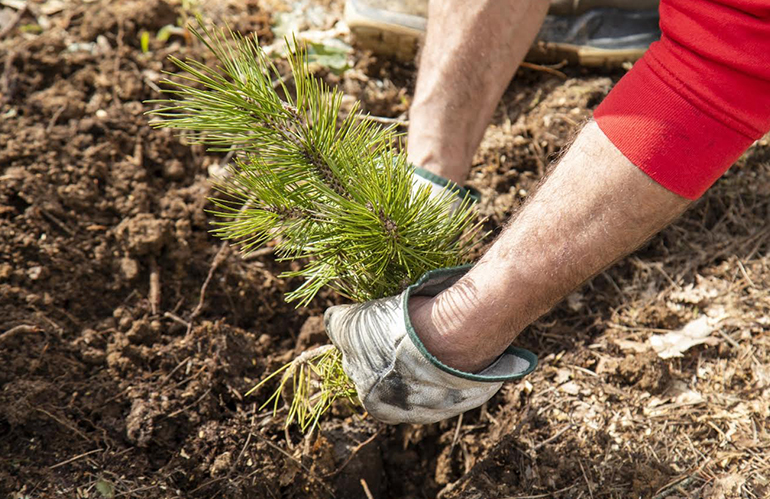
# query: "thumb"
x,y
335,322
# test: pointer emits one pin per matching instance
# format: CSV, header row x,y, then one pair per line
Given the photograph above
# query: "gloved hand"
x,y
397,379
437,184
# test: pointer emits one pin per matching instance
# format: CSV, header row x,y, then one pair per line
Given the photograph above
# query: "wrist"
x,y
450,165
459,330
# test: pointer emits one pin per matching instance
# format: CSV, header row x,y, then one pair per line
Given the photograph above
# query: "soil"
x,y
119,377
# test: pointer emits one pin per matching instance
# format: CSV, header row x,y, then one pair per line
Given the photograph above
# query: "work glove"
x,y
397,379
438,184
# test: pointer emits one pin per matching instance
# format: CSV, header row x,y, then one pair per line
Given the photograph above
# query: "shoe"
x,y
586,32
388,27
598,37
578,7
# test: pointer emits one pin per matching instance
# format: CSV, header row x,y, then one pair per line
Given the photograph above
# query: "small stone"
x,y
144,233
221,463
35,272
129,268
6,269
173,169
101,113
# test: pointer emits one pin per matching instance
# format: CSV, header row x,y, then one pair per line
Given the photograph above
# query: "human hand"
x,y
397,379
438,184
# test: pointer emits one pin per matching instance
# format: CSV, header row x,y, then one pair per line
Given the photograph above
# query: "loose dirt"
x,y
112,386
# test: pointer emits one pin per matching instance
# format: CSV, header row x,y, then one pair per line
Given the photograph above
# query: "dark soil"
x,y
111,386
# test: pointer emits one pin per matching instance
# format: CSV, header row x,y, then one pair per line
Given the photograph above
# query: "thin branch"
x,y
177,319
218,259
551,439
190,406
155,296
365,486
544,69
21,329
384,120
73,459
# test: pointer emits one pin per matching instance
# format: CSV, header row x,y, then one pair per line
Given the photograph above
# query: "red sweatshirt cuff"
x,y
676,143
699,97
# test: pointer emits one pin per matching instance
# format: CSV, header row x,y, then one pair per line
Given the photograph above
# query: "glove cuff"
x,y
445,183
513,364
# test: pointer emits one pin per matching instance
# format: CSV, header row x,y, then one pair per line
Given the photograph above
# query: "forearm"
x,y
594,208
471,52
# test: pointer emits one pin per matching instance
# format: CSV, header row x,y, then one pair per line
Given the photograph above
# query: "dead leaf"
x,y
695,332
570,388
725,487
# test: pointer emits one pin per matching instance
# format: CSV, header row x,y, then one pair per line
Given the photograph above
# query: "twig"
x,y
207,483
551,439
54,220
64,423
55,118
457,432
240,455
176,318
545,69
12,24
174,370
116,66
588,483
5,79
183,409
138,157
258,253
547,494
353,453
366,489
745,274
384,120
72,459
21,329
155,297
311,354
729,340
218,259
152,85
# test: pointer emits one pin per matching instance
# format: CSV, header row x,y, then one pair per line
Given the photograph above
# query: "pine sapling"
x,y
328,188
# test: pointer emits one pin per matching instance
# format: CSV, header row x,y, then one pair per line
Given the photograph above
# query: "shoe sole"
x,y
554,53
386,33
399,36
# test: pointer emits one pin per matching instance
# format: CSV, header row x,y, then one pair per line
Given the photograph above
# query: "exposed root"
x,y
317,381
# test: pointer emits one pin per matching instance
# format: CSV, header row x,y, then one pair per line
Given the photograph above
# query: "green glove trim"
x,y
452,275
461,192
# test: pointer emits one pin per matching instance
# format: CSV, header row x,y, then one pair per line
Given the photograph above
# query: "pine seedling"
x,y
328,188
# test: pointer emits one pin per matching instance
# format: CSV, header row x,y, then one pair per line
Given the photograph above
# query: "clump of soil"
x,y
123,374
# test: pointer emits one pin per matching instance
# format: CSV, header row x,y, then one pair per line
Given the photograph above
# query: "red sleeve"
x,y
699,97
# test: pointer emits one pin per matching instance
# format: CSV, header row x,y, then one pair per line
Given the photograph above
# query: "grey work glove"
x,y
397,379
438,184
